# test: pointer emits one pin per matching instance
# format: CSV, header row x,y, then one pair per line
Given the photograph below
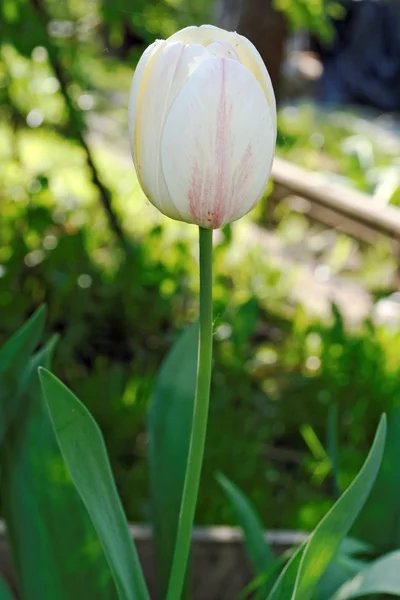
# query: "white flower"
x,y
202,125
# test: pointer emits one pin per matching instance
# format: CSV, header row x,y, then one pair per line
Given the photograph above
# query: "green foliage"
x,y
343,146
328,364
170,426
57,246
325,566
39,501
17,350
312,15
149,20
284,587
378,523
326,538
263,388
344,565
277,369
83,450
257,547
14,358
380,577
313,559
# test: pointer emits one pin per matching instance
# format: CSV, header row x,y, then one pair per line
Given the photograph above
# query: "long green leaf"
x,y
327,537
14,359
270,575
325,540
381,577
343,566
56,552
341,569
352,546
284,586
18,349
84,452
379,521
170,423
257,548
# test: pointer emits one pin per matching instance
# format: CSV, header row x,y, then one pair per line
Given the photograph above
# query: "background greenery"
x,y
296,392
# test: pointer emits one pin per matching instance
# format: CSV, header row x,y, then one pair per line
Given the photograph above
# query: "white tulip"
x,y
202,125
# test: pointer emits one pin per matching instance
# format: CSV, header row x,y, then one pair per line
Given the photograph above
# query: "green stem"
x,y
199,423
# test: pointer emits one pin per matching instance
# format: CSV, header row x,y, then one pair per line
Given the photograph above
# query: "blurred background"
x,y
307,301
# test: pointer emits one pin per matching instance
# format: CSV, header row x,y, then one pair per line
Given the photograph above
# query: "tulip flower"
x,y
202,125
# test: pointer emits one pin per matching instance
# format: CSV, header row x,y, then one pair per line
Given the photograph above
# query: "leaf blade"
x,y
378,522
21,345
169,427
302,573
79,436
380,577
14,357
39,499
284,586
257,547
326,538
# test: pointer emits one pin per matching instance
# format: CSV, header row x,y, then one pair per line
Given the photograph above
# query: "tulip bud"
x,y
202,125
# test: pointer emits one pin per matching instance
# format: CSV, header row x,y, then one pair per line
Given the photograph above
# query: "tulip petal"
x,y
251,58
204,35
134,92
166,72
218,144
245,50
222,49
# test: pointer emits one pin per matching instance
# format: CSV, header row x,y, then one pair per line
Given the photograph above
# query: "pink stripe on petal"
x,y
214,209
217,144
207,206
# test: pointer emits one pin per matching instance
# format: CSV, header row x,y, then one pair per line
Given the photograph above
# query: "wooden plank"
x,y
350,203
334,220
322,215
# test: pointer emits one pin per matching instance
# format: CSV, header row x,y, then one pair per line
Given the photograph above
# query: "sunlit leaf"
x,y
300,577
284,586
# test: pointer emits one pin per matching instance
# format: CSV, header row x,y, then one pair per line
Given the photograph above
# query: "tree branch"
x,y
78,127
